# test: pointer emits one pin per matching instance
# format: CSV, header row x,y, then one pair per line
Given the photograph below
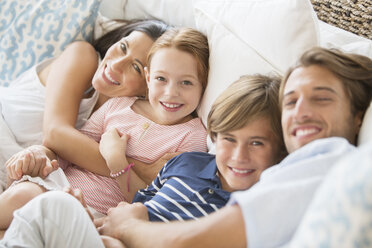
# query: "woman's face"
x,y
241,155
121,72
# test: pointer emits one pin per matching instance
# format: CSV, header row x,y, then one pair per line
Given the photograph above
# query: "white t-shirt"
x,y
273,207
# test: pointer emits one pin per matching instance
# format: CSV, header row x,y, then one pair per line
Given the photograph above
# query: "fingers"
x,y
49,168
99,222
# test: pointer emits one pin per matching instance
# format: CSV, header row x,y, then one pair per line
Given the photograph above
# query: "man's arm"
x,y
224,228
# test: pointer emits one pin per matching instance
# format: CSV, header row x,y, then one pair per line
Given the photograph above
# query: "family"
x,y
121,148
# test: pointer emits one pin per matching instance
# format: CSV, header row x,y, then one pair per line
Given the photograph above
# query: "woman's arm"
x,y
66,80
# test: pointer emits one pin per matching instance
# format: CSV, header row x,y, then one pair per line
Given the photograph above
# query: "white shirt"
x,y
273,208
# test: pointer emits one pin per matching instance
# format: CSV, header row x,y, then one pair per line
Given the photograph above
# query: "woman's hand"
x,y
35,161
113,147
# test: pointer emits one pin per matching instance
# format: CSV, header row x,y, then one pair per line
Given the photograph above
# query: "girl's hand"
x,y
113,147
34,161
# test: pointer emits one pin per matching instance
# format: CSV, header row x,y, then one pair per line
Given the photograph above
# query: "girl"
x,y
52,91
176,78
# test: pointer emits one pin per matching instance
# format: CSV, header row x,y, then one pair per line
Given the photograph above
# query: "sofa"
x,y
245,36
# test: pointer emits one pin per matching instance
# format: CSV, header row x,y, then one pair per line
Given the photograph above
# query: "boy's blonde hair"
x,y
187,40
245,100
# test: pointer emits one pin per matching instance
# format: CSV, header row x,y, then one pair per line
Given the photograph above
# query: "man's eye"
x,y
322,99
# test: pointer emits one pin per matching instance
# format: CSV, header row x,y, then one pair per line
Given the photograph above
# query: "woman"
x,y
65,82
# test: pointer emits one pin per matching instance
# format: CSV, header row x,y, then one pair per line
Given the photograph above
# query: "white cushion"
x,y
248,37
113,9
334,37
173,12
33,30
365,134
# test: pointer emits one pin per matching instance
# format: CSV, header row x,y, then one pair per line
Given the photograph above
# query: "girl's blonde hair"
x,y
187,40
245,100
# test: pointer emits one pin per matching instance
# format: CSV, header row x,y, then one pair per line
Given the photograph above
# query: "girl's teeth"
x,y
110,78
169,105
304,132
241,171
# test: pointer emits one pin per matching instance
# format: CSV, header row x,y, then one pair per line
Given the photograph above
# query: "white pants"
x,y
53,219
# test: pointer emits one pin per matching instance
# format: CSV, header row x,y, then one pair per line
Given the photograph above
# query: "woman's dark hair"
x,y
153,28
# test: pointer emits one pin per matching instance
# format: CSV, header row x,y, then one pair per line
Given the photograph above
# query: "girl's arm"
x,y
113,148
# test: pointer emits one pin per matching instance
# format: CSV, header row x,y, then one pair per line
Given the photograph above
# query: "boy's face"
x,y
241,155
314,106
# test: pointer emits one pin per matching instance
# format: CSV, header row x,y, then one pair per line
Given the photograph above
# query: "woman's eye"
x,y
137,68
123,47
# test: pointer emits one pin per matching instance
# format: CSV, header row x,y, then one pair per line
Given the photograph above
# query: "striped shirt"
x,y
187,187
148,142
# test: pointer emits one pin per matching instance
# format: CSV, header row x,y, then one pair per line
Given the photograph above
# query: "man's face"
x,y
315,105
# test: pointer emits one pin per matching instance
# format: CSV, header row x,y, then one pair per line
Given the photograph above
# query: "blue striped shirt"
x,y
187,187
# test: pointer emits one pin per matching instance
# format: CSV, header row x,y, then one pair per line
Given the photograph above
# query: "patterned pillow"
x,y
33,30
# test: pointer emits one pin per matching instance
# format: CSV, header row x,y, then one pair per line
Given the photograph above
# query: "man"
x,y
324,96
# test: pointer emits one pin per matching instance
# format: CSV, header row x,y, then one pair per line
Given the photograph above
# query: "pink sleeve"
x,y
94,126
196,140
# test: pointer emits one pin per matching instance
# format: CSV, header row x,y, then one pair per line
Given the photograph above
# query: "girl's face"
x,y
121,72
241,155
174,86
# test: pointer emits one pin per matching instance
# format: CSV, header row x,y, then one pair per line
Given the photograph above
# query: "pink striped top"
x,y
148,142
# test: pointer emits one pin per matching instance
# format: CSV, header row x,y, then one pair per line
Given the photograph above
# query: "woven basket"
x,y
351,15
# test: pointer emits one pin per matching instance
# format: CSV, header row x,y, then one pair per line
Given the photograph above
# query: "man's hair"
x,y
354,71
245,100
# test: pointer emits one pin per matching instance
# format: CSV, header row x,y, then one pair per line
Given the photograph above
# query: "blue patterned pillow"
x,y
33,30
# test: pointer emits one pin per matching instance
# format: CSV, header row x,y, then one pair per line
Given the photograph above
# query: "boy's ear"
x,y
147,74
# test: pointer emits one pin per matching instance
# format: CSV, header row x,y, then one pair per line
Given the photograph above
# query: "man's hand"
x,y
34,161
118,219
110,242
79,196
